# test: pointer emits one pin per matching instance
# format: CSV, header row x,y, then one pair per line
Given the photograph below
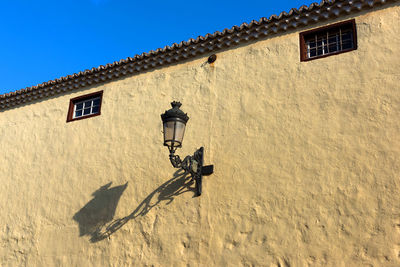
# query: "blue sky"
x,y
42,40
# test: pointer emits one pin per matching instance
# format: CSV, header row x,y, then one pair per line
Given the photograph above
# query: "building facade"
x,y
301,124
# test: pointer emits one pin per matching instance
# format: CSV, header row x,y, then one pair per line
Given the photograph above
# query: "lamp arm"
x,y
176,162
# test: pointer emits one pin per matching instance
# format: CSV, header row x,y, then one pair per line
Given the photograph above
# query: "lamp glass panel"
x,y
169,132
179,131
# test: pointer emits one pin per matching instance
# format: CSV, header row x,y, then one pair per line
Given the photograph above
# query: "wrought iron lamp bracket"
x,y
193,165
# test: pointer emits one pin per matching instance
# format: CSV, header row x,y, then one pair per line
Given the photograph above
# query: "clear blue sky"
x,y
42,40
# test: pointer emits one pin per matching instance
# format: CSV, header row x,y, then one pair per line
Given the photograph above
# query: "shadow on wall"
x,y
96,217
100,210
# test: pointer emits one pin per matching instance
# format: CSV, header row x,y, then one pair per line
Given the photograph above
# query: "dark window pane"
x,y
86,111
95,110
313,52
88,103
332,40
79,106
347,45
96,102
333,33
78,113
332,48
346,36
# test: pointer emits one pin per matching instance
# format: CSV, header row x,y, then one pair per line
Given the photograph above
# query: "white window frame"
x,y
83,102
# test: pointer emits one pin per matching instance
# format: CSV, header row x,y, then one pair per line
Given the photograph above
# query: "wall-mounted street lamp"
x,y
174,123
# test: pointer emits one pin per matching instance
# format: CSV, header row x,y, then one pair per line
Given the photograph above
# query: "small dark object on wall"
x,y
212,58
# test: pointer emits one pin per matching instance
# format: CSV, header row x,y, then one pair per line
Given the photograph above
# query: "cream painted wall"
x,y
306,158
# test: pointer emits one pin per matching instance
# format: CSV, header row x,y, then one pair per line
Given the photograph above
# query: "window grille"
x,y
333,39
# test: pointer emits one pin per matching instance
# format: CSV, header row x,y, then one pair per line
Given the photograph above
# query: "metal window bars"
x,y
329,42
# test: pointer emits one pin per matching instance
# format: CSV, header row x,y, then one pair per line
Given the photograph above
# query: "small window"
x,y
330,40
86,106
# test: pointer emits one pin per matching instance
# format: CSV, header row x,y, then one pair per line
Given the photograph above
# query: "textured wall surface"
x,y
306,156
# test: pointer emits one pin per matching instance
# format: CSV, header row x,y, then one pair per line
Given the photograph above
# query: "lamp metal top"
x,y
175,113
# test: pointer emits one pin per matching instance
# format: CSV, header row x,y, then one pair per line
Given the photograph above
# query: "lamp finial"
x,y
176,104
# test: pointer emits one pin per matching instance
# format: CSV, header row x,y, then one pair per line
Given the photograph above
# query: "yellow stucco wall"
x,y
306,158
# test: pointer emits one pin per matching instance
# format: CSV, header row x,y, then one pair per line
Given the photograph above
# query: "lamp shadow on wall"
x,y
96,217
100,210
